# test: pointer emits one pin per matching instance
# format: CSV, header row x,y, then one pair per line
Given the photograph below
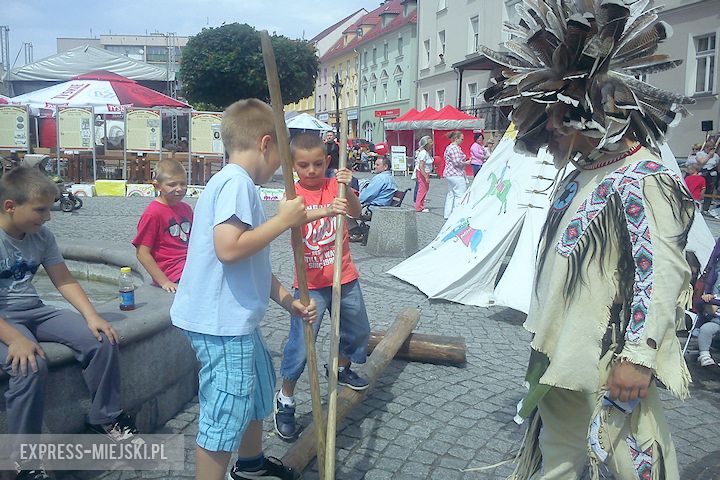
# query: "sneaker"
x,y
40,474
272,468
122,430
350,379
425,210
705,360
284,419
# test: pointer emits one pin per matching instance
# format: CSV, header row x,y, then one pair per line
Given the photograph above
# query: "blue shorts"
x,y
237,383
354,329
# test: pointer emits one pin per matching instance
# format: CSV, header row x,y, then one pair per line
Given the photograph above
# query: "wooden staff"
x,y
335,318
296,236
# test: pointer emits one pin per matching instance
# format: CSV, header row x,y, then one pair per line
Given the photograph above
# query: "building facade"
x,y
377,57
323,41
451,69
696,29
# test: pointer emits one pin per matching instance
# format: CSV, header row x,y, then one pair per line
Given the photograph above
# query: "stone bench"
x,y
393,232
157,364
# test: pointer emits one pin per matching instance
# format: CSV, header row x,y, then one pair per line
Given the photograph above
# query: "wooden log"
x,y
281,132
420,347
303,450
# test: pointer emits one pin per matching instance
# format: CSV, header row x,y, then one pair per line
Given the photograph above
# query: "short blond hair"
x,y
244,123
168,169
26,184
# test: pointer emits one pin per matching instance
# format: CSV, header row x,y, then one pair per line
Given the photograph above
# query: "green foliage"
x,y
224,64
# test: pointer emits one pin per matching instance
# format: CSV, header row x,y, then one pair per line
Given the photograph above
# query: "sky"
x,y
42,21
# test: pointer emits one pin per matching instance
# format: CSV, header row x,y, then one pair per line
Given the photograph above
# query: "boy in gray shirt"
x,y
26,196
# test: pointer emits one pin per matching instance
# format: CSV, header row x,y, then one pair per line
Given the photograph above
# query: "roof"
x,y
329,29
373,18
76,61
447,118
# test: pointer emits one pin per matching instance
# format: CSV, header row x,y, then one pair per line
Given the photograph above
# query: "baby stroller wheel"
x,y
78,203
66,205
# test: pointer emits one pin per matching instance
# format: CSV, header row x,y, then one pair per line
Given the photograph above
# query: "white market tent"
x,y
304,121
83,59
502,214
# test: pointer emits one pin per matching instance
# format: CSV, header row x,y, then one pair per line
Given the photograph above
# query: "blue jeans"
x,y
354,329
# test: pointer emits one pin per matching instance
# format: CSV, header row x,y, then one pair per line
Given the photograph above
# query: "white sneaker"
x,y
425,210
705,360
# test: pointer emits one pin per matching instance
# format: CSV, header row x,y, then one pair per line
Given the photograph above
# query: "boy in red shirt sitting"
x,y
164,227
323,205
695,182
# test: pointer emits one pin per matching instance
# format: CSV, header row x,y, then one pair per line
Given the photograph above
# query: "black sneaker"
x,y
272,468
122,430
284,419
40,474
350,379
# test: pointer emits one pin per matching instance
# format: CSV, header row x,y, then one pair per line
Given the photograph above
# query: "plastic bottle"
x,y
127,289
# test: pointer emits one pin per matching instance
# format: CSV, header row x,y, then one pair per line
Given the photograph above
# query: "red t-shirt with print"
x,y
319,240
165,230
695,183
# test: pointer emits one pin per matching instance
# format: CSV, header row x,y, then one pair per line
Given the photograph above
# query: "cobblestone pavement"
x,y
421,421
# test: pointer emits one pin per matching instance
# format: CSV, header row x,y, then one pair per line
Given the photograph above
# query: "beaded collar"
x,y
593,166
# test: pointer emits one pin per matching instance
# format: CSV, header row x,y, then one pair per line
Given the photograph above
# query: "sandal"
x,y
356,237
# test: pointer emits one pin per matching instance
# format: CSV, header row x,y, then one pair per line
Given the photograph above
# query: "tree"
x,y
224,64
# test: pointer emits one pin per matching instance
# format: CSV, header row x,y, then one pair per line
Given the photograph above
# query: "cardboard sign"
x,y
143,132
205,138
75,127
398,158
14,132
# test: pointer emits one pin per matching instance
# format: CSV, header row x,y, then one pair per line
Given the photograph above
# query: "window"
x,y
425,100
136,52
399,89
472,94
440,97
325,102
325,75
442,5
319,103
474,35
348,68
374,92
374,55
385,92
347,98
368,129
400,46
426,51
441,45
365,95
705,61
157,54
365,57
386,52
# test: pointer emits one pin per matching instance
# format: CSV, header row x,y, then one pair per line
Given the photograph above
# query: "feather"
x,y
523,52
503,59
643,89
644,42
544,44
530,22
654,68
636,29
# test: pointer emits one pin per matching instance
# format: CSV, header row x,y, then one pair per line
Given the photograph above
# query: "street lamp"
x,y
337,88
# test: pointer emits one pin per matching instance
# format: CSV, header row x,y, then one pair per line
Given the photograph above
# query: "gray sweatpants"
x,y
707,331
100,362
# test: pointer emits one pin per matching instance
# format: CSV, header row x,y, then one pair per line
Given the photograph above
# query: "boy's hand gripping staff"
x,y
296,235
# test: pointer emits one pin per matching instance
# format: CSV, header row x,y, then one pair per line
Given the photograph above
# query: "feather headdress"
x,y
578,62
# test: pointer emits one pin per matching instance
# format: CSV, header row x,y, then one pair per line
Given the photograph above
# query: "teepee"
x,y
501,215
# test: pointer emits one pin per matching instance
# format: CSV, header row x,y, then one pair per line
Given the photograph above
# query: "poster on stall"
x,y
75,126
14,131
398,158
206,138
143,132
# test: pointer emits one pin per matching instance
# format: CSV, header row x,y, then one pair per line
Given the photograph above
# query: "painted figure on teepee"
x,y
610,268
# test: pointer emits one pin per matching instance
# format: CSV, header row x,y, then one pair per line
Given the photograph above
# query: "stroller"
x,y
68,200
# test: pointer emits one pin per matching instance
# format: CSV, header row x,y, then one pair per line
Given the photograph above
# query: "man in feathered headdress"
x,y
611,267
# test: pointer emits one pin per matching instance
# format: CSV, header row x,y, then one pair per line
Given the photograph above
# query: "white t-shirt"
x,y
215,298
423,156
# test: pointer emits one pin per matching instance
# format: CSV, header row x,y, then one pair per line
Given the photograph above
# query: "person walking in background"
x,y
454,173
479,153
423,167
332,150
708,160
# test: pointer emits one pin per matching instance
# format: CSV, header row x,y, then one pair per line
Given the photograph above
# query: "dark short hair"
x,y
305,141
479,135
385,160
23,184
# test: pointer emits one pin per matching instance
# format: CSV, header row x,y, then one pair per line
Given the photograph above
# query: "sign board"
x,y
143,132
352,114
398,158
205,138
75,127
323,117
14,131
394,112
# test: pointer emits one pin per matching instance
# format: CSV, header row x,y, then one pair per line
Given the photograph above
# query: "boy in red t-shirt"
x,y
164,227
323,206
695,182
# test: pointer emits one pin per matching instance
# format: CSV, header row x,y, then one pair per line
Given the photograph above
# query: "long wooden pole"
x,y
335,318
296,237
303,451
